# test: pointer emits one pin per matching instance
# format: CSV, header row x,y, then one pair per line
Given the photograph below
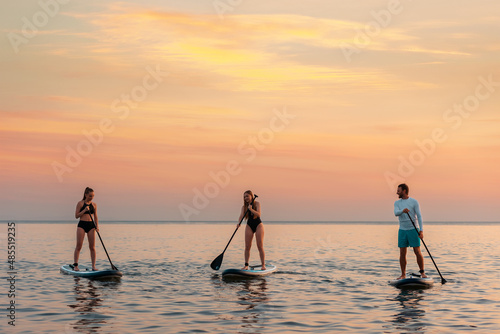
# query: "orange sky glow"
x,y
321,108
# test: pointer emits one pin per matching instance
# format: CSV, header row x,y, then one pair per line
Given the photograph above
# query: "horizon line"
x,y
230,221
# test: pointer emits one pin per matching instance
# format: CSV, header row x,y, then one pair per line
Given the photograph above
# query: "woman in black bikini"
x,y
84,209
254,226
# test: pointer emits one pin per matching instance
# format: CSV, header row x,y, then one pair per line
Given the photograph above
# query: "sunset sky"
x,y
359,83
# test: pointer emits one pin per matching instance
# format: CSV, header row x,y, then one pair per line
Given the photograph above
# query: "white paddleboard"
x,y
89,273
412,281
253,271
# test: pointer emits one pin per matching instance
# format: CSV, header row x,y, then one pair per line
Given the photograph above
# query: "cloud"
x,y
242,52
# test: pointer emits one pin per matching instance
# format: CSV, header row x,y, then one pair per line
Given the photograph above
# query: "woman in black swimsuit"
x,y
84,209
254,226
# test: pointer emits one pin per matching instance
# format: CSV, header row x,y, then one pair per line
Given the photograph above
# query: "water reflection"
x,y
252,297
410,317
90,296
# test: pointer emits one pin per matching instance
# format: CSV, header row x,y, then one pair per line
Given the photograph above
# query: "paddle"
x,y
90,214
435,265
215,265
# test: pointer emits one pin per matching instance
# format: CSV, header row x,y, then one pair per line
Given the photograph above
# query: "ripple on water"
x,y
341,287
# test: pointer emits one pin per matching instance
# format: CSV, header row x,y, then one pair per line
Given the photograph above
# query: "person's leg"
x,y
414,240
259,236
420,260
80,235
402,261
248,244
91,237
402,244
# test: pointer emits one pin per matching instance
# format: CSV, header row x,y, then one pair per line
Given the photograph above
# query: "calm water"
x,y
332,278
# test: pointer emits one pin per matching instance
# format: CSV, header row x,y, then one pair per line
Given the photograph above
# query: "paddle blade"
x,y
215,265
443,280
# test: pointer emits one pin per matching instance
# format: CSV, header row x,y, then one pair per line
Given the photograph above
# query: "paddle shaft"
x,y
427,249
237,227
95,226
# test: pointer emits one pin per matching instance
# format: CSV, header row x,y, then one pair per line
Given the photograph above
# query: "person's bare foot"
x,y
402,276
244,268
423,275
263,267
75,268
94,269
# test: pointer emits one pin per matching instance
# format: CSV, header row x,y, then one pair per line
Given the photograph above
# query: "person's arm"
x,y
256,212
79,213
397,211
419,216
243,210
96,220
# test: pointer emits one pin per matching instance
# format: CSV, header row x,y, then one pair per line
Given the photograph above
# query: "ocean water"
x,y
331,278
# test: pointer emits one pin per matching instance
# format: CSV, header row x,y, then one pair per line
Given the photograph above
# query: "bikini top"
x,y
91,210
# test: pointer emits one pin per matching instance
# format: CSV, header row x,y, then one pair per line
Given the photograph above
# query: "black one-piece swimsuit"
x,y
253,222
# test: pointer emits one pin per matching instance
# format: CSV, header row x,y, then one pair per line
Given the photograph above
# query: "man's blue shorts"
x,y
408,238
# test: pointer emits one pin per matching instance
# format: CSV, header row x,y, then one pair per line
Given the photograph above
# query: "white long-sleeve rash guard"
x,y
412,205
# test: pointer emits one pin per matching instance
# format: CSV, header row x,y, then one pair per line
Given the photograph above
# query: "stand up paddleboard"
x,y
253,271
89,273
414,281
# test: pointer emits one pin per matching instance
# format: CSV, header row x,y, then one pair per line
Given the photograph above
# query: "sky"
x,y
170,110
